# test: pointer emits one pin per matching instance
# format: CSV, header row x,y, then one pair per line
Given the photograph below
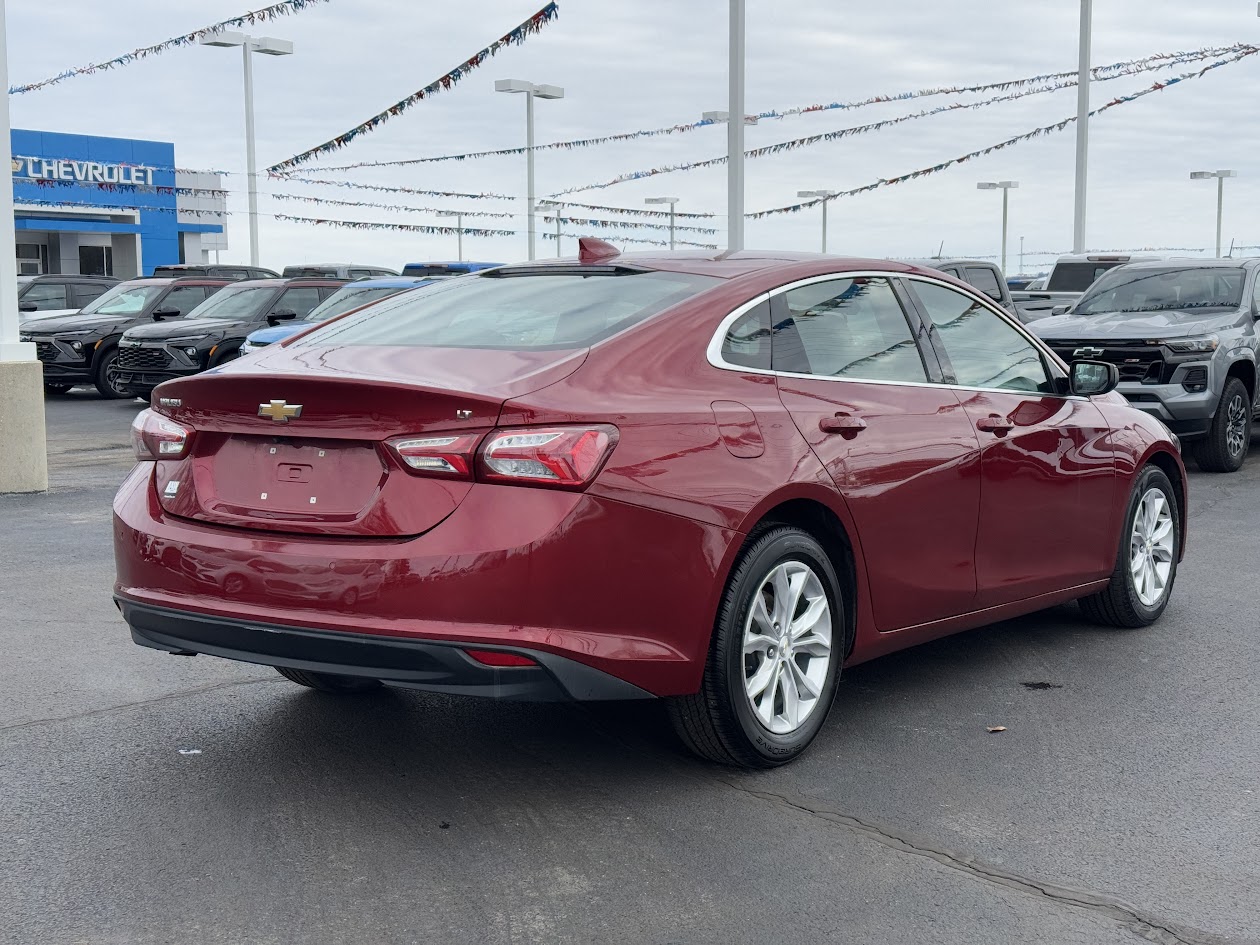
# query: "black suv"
x,y
58,293
83,348
151,354
214,270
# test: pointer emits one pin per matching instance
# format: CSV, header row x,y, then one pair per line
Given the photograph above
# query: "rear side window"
x,y
986,281
46,296
747,342
560,309
850,328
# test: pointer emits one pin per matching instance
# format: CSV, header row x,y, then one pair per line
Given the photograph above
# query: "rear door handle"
x,y
998,426
843,424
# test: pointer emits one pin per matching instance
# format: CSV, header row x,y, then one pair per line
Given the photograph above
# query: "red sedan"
x,y
710,480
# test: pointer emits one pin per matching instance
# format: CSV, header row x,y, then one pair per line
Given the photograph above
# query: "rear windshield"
x,y
1077,276
1164,290
431,272
350,297
234,302
560,310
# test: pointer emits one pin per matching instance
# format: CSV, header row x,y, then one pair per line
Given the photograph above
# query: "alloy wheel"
x,y
1151,547
1236,422
787,647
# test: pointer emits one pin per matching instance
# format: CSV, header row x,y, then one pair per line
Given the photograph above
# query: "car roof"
x,y
180,280
455,264
952,261
337,265
1194,262
72,276
292,281
389,282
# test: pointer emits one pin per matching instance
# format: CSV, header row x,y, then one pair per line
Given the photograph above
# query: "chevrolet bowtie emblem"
x,y
280,411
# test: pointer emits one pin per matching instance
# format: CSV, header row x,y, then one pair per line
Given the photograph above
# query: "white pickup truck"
x,y
1069,279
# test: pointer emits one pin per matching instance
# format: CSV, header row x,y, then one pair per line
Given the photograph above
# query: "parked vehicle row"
x,y
443,476
43,296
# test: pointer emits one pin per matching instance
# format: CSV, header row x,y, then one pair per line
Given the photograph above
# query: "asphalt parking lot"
x,y
147,798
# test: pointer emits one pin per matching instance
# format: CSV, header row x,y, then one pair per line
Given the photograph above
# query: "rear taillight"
x,y
154,436
450,457
500,658
559,457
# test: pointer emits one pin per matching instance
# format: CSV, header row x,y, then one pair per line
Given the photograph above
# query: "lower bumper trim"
x,y
433,666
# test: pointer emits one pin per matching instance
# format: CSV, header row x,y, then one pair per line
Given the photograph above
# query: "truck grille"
x,y
1137,362
142,359
45,351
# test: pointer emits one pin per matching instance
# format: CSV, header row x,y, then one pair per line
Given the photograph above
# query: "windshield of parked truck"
x,y
1165,289
123,300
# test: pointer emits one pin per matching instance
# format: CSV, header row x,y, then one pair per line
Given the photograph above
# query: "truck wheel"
x,y
1146,565
328,682
57,388
774,658
1225,447
106,378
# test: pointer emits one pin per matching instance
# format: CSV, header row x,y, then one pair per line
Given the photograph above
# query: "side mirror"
x,y
281,315
168,312
27,307
1059,310
1091,378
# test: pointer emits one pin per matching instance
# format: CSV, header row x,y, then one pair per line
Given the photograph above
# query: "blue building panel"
x,y
93,172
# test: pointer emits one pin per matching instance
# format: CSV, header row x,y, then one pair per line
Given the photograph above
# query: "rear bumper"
x,y
429,665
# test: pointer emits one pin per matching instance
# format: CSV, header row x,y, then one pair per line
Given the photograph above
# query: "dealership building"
x,y
110,206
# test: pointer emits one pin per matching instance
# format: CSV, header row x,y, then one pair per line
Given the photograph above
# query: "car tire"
x,y
226,357
105,377
1224,449
328,682
57,388
726,721
1146,552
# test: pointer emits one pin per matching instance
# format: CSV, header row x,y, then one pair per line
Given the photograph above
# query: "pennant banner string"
x,y
264,15
388,190
633,239
514,37
792,145
1027,136
628,225
386,206
1050,82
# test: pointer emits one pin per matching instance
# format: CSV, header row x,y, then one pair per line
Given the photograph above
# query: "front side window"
x,y
235,302
986,280
983,348
529,309
1164,289
185,298
300,299
124,299
852,328
343,300
45,296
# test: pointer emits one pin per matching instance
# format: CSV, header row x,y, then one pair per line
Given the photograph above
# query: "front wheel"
x,y
107,380
774,660
1226,444
1146,565
329,682
57,388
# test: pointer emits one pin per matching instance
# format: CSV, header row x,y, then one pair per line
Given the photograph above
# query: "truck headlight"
x,y
1204,344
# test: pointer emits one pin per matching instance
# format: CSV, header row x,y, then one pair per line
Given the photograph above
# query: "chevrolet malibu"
x,y
713,481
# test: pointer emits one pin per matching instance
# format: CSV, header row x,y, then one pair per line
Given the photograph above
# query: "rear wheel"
x,y
1146,565
1226,444
106,379
328,682
774,659
57,388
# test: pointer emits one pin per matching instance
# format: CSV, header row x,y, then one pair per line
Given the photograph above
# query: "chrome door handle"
x,y
998,426
843,424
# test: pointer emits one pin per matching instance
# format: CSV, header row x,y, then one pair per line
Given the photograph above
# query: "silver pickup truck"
x,y
1183,334
978,273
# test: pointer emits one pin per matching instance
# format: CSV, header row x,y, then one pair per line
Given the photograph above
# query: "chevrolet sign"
x,y
86,172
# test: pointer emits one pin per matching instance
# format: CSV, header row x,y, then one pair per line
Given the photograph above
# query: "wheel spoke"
x,y
760,615
781,582
791,699
806,622
812,645
759,643
1163,530
804,685
765,707
757,683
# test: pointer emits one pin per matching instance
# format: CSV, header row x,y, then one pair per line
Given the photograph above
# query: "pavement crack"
x,y
1159,931
108,710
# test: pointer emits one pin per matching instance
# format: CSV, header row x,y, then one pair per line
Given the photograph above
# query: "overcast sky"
x,y
649,63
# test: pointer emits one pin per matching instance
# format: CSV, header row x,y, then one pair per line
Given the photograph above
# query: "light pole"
x,y
558,208
735,133
1021,255
1219,177
530,91
268,47
824,196
1082,125
671,201
1006,186
23,445
459,229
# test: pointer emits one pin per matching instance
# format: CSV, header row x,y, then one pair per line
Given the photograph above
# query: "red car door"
x,y
1047,463
900,449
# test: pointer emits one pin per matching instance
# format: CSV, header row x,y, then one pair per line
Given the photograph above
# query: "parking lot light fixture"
x,y
671,201
267,46
825,196
1219,177
558,208
1006,186
531,92
459,229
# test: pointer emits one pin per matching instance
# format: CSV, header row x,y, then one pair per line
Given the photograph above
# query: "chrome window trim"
x,y
714,350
